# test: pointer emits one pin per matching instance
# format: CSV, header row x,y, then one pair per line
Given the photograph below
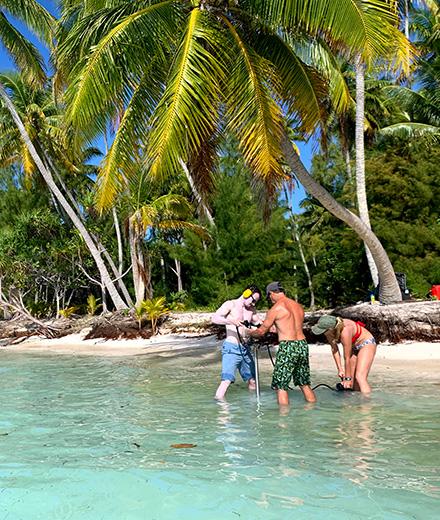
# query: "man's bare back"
x,y
288,317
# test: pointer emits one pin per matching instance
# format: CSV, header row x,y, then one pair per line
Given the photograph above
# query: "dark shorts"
x,y
292,362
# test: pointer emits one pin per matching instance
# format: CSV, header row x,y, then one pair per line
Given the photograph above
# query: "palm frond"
x,y
411,132
303,90
253,115
369,27
28,165
121,162
202,168
24,54
187,113
417,103
105,75
34,16
172,204
318,54
179,225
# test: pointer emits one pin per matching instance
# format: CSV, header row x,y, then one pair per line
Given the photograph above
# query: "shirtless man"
x,y
293,353
235,355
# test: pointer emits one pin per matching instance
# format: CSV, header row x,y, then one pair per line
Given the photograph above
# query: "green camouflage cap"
x,y
324,323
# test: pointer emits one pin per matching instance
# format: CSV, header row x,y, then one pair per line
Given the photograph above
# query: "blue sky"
x,y
306,149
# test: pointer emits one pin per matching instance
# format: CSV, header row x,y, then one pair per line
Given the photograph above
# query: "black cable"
x,y
327,386
244,346
273,364
270,355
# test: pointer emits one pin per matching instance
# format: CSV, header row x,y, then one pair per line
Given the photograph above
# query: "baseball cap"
x,y
324,323
274,287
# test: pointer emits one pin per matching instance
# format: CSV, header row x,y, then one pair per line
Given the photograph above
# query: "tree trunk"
x,y
348,163
304,262
47,176
178,272
178,265
361,191
163,271
295,232
116,273
119,240
406,18
204,208
146,262
100,246
137,264
389,288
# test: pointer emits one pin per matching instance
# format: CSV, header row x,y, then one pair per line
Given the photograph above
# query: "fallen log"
x,y
406,321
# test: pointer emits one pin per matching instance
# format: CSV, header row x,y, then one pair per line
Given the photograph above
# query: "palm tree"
x,y
187,71
42,120
361,189
148,215
421,107
29,61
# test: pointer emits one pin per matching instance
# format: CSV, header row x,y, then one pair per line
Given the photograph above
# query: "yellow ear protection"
x,y
247,293
250,290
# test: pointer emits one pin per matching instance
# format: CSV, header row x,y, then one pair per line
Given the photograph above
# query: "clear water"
x,y
90,438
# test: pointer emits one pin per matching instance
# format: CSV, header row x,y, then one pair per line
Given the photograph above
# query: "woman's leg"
x,y
353,363
365,359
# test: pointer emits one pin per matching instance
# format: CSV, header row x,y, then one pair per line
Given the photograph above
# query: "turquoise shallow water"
x,y
84,438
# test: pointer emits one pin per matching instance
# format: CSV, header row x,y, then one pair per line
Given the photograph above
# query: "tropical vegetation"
x,y
154,159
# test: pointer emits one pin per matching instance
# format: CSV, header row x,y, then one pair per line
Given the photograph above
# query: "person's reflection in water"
x,y
357,440
228,432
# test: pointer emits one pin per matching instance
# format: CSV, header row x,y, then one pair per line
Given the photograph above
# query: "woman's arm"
x,y
330,337
347,346
337,358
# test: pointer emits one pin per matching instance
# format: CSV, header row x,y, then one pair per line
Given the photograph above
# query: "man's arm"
x,y
265,326
220,317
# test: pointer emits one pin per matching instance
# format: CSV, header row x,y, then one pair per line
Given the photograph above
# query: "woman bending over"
x,y
359,349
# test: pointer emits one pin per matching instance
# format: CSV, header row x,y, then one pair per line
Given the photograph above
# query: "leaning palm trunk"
x,y
47,176
389,288
203,207
361,191
119,241
100,246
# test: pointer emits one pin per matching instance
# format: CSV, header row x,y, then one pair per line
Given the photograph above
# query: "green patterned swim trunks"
x,y
292,361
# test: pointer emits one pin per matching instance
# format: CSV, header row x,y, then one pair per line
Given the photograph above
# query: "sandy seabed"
x,y
416,357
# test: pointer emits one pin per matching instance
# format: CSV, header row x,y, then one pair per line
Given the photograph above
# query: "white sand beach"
x,y
419,357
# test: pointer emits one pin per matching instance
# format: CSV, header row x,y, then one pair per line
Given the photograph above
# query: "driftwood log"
x,y
407,321
413,321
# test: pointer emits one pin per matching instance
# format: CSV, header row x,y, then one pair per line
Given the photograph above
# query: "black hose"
x,y
323,384
243,346
273,364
